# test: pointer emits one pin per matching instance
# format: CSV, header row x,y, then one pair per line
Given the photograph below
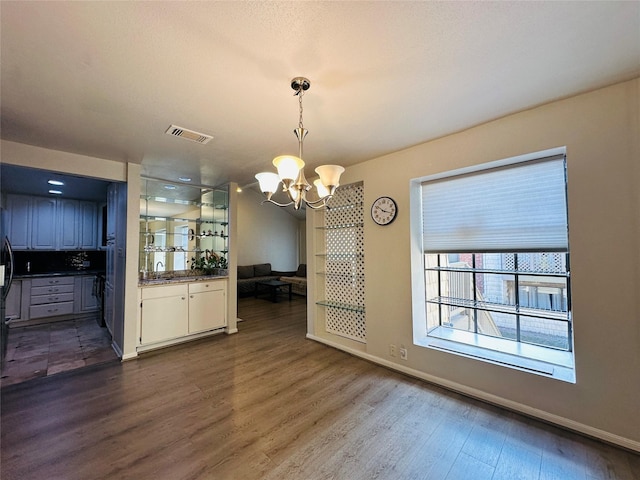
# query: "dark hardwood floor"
x,y
268,404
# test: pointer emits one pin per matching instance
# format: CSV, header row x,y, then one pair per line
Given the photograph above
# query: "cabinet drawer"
x,y
164,291
51,309
199,287
51,298
48,281
56,289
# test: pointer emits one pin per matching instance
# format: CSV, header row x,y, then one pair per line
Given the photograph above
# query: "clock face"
x,y
384,210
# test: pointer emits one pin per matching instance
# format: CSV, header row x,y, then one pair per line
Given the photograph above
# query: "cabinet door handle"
x,y
183,298
54,281
52,310
53,289
190,296
53,299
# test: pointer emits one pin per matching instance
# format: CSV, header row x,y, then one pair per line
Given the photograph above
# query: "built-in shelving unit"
x,y
340,264
181,225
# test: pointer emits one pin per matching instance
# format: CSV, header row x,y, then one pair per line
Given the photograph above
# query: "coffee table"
x,y
274,287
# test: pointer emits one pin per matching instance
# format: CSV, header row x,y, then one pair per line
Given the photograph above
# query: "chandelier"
x,y
291,169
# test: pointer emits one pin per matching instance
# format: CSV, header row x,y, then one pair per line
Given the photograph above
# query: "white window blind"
x,y
519,207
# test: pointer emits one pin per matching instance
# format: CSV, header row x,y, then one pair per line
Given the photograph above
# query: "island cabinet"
x,y
174,312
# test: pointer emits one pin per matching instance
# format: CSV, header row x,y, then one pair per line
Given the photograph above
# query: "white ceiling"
x,y
106,79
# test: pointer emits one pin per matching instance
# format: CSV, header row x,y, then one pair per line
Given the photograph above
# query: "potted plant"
x,y
210,264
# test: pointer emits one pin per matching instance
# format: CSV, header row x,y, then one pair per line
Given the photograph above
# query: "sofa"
x,y
298,280
248,275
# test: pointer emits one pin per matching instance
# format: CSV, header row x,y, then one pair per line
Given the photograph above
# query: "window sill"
x,y
529,358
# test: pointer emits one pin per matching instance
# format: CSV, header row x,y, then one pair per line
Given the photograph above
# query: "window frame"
x,y
526,357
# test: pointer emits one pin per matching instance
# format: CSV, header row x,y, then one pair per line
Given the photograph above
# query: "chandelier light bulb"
x,y
291,169
330,174
288,166
268,182
322,190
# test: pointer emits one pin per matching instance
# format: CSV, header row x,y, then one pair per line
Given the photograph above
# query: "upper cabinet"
x,y
182,227
45,223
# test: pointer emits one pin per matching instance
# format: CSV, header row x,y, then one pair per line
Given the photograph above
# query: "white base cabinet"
x,y
165,313
173,312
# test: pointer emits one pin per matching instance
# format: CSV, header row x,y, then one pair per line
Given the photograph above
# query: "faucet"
x,y
159,263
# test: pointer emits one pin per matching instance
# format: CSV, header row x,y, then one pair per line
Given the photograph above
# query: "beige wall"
x,y
600,131
266,233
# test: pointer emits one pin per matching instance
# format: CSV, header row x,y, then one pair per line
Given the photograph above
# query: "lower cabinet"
x,y
51,297
207,306
14,300
171,312
86,294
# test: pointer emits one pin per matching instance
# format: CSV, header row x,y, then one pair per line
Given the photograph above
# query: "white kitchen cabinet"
x,y
86,300
67,224
19,221
173,312
207,305
108,313
164,315
43,223
14,299
51,296
88,223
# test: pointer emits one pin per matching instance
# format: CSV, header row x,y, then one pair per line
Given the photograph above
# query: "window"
x,y
496,265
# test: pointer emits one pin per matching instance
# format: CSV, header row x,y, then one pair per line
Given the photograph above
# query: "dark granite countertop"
x,y
58,274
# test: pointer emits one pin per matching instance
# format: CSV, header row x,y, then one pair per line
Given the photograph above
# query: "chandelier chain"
x,y
300,94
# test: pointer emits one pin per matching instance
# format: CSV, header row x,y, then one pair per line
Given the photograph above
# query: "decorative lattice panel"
x,y
344,267
536,262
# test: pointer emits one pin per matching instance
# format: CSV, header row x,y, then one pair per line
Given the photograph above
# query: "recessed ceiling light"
x,y
184,179
55,182
170,187
239,189
55,192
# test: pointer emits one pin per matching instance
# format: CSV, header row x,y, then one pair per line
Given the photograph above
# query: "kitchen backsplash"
x,y
58,261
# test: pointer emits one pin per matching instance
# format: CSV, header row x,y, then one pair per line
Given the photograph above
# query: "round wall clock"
x,y
384,210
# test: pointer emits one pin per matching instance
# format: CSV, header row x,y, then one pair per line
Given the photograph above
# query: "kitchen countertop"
x,y
58,274
164,280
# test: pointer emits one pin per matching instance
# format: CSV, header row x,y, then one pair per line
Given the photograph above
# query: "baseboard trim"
x,y
490,398
129,356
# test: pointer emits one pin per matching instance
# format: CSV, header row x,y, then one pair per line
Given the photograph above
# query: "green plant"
x,y
209,261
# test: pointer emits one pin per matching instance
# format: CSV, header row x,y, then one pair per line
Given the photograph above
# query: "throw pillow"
x,y
262,269
302,270
245,271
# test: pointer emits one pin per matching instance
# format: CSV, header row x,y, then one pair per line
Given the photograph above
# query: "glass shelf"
x,y
341,227
500,308
346,276
341,306
500,272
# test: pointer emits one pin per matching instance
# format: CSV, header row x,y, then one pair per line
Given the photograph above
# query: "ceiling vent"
x,y
188,134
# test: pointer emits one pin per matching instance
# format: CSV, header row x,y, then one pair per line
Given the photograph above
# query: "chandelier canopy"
x,y
291,169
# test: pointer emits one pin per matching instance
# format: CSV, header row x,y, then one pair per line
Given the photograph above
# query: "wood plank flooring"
x,y
268,404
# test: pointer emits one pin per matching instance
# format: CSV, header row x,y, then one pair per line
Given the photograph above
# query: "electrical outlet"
x,y
392,350
403,353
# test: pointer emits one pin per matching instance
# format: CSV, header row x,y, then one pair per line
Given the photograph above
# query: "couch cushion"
x,y
302,270
262,269
246,271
